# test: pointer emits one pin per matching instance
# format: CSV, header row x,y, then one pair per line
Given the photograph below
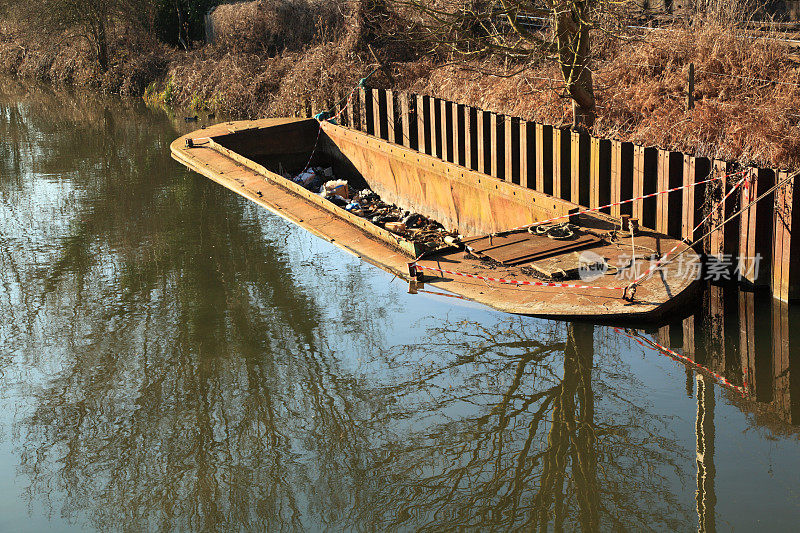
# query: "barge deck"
x,y
244,157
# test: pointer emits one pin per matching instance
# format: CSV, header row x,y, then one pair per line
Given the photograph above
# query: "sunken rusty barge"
x,y
520,272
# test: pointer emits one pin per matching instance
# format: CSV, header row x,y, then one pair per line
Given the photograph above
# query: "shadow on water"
x,y
177,359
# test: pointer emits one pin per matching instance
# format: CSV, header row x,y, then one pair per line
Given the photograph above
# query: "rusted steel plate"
x,y
459,198
484,244
514,249
579,244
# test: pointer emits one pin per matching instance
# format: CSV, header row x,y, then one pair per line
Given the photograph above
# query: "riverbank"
x,y
747,90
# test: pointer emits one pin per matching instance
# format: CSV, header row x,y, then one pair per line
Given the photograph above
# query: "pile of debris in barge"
x,y
367,204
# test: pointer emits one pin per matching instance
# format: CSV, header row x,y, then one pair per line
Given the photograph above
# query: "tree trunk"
x,y
182,33
101,44
572,32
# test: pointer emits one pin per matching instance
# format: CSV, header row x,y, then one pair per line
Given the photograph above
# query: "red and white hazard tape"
x,y
647,343
663,259
418,267
347,104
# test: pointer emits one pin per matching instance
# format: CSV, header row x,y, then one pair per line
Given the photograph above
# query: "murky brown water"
x,y
174,358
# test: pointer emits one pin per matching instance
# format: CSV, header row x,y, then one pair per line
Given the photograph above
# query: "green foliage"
x,y
156,95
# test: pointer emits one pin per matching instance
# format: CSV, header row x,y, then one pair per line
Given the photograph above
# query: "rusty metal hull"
x,y
235,155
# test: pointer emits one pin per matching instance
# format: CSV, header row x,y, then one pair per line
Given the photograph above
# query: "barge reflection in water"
x,y
175,358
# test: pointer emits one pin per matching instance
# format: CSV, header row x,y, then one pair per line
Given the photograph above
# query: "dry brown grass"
x,y
263,65
272,26
641,93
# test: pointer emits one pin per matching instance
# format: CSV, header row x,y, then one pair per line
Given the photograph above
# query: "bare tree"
x,y
70,19
523,31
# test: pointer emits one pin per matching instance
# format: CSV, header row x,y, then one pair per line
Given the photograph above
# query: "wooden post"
x,y
469,150
508,137
363,100
456,111
689,344
575,168
747,238
695,169
616,178
444,122
405,119
784,241
436,128
377,114
747,345
494,122
783,376
558,180
690,198
717,245
540,157
351,111
690,88
662,204
482,140
755,240
422,125
594,173
717,322
638,182
355,112
525,133
391,117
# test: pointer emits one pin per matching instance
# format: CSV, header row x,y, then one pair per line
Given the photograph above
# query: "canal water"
x,y
174,358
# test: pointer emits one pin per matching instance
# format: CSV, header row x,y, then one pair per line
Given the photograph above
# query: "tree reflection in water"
x,y
528,448
190,383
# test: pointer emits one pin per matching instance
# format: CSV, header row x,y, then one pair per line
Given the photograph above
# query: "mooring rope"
x,y
326,116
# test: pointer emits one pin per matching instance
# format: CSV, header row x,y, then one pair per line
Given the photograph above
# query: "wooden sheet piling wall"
x,y
593,172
